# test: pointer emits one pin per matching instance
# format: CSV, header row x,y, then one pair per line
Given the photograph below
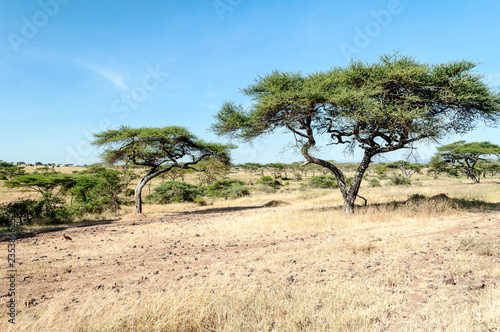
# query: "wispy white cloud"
x,y
114,78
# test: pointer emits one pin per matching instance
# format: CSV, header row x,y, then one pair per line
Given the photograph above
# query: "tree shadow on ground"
x,y
233,208
52,229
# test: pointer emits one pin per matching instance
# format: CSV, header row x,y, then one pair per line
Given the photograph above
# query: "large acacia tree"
x,y
157,149
379,107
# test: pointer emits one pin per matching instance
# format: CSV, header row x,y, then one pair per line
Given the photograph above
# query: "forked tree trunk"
x,y
152,173
352,192
138,190
349,194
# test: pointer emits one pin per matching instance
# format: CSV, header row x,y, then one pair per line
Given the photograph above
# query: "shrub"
x,y
237,190
323,181
227,188
48,210
417,197
269,181
398,180
174,192
129,192
297,176
200,201
267,189
96,191
22,212
374,183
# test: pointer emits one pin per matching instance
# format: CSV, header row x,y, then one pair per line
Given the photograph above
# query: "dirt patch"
x,y
190,250
136,216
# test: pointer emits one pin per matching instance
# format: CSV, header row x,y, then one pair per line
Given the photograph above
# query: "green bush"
x,y
96,191
129,192
237,190
269,181
323,181
200,201
227,188
47,210
23,212
398,180
374,183
266,189
174,192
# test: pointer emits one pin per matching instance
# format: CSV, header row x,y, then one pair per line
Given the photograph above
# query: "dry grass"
x,y
304,266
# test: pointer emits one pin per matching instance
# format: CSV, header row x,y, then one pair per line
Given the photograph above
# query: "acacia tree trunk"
x,y
138,190
138,197
474,178
352,193
152,173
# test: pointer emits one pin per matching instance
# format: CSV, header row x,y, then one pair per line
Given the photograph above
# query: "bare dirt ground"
x,y
426,263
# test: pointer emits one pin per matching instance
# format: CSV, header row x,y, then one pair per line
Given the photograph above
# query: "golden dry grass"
x,y
304,266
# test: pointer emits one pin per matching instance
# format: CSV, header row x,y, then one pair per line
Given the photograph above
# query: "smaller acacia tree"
x,y
466,157
407,169
96,190
51,185
437,166
158,149
214,169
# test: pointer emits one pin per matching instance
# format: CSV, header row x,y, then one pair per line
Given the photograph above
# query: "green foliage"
x,y
269,181
227,188
200,201
174,192
23,212
374,183
398,180
158,149
51,185
380,107
154,146
213,169
323,181
467,157
8,171
396,99
437,166
252,167
276,169
266,189
43,183
96,191
129,192
407,169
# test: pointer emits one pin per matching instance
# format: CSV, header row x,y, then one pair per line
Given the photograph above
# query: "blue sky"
x,y
70,68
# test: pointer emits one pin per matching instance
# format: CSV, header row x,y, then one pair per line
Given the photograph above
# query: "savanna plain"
x,y
284,261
